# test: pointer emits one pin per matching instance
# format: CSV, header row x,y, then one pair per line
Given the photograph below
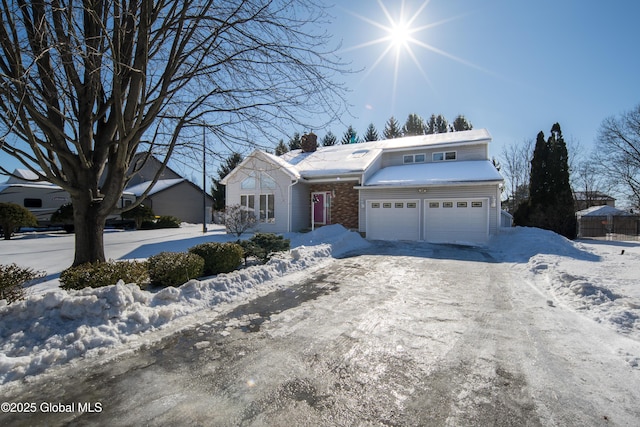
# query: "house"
x,y
435,188
172,194
586,199
599,221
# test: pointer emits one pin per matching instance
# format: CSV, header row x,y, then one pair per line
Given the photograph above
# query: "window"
x,y
266,182
448,155
414,158
249,183
434,204
447,204
266,208
32,203
462,204
247,201
476,204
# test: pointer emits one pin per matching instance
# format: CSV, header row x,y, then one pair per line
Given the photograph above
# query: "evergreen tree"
x,y
217,189
414,126
350,136
392,129
550,204
372,133
460,123
295,143
437,124
281,148
329,139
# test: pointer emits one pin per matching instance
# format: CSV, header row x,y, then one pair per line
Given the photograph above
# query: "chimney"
x,y
309,142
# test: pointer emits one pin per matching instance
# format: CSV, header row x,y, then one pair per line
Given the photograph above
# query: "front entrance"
x,y
321,208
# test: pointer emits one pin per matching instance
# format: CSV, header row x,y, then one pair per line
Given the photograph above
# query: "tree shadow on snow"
x,y
182,245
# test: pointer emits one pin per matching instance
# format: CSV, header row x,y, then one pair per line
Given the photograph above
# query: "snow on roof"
x,y
161,185
334,160
356,158
435,173
602,211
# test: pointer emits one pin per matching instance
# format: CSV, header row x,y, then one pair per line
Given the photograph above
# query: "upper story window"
x,y
444,155
251,182
414,158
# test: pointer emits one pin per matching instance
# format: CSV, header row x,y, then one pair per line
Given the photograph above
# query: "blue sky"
x,y
513,67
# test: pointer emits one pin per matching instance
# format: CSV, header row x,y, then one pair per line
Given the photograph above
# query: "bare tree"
x,y
618,152
516,168
84,86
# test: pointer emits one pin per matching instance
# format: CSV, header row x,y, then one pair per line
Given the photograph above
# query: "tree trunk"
x,y
89,229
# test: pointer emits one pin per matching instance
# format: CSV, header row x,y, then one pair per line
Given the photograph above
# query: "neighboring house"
x,y
587,199
598,221
172,194
436,188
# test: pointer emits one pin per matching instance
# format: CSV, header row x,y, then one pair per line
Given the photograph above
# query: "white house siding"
x,y
464,152
301,207
489,192
280,192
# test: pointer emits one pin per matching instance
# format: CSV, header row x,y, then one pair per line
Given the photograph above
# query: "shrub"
x,y
13,216
101,274
265,245
139,214
63,215
12,279
219,257
174,268
238,219
168,221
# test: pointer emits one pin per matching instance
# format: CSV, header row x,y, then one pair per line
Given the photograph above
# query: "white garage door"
x,y
393,220
456,220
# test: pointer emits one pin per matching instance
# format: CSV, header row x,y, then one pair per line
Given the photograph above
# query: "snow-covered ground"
x,y
53,326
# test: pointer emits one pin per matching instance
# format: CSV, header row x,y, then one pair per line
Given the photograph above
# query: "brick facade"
x,y
344,202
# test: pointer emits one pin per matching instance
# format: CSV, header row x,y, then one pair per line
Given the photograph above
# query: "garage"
x,y
393,219
456,220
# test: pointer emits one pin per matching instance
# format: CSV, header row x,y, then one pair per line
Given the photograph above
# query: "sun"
x,y
402,37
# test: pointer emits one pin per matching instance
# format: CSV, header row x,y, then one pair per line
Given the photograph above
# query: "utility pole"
x,y
204,182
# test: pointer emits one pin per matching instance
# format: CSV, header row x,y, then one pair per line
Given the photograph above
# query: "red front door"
x,y
320,208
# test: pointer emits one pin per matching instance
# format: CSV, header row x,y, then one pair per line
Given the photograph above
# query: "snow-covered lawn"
x,y
53,326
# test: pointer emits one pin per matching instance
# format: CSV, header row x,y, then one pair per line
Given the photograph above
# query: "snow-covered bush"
x,y
174,268
12,278
219,257
264,245
102,274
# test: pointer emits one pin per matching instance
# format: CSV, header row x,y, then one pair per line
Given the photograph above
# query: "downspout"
x,y
290,210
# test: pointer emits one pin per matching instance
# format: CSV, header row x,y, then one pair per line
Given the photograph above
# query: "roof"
x,y
161,185
440,173
356,158
602,211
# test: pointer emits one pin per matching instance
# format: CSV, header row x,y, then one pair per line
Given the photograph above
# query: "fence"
x,y
623,227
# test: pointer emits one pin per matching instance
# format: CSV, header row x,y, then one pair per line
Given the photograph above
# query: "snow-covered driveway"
x,y
405,334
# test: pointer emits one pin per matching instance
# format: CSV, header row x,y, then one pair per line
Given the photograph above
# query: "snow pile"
x,y
596,278
55,327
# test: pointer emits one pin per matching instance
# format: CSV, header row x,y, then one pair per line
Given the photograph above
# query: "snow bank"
x,y
595,278
55,327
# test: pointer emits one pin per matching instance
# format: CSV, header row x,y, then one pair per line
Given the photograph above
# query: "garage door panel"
x,y
456,220
393,220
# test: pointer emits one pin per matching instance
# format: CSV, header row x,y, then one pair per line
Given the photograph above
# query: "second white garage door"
x,y
393,219
456,220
